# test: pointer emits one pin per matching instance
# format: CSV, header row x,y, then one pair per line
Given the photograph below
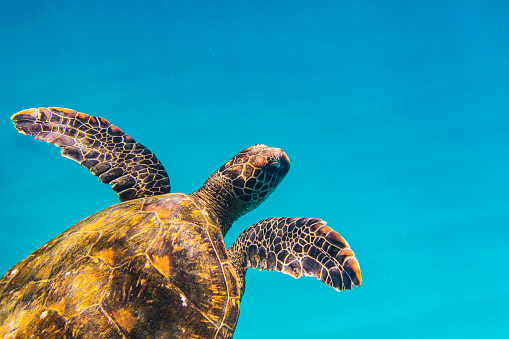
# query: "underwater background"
x,y
395,116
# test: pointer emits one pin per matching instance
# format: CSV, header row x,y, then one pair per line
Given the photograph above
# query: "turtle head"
x,y
253,174
243,183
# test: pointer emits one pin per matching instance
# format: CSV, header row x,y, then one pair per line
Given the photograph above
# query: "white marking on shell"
x,y
184,300
14,271
43,315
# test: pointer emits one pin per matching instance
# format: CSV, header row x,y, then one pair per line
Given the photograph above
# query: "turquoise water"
x,y
395,117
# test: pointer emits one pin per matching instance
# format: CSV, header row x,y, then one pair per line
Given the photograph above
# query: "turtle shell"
x,y
145,268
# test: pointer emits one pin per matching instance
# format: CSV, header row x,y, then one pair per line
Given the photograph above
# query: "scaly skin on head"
x,y
243,183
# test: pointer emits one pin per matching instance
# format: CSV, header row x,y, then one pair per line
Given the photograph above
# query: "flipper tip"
x,y
26,114
351,265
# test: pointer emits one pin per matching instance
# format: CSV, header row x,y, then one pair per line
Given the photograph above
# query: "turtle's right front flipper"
x,y
297,246
101,147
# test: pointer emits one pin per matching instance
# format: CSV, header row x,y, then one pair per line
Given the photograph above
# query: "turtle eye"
x,y
271,168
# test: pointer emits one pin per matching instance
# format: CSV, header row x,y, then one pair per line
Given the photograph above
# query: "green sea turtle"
x,y
155,265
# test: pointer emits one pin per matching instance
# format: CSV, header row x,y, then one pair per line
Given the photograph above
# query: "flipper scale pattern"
x,y
103,148
298,246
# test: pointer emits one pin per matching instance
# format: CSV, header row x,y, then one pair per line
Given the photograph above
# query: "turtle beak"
x,y
284,164
285,161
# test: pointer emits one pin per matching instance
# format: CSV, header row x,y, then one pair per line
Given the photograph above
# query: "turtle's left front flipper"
x,y
297,246
103,148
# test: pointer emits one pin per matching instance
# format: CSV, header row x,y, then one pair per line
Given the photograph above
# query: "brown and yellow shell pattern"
x,y
104,275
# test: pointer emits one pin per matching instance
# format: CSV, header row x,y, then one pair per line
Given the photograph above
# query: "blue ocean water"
x,y
395,116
